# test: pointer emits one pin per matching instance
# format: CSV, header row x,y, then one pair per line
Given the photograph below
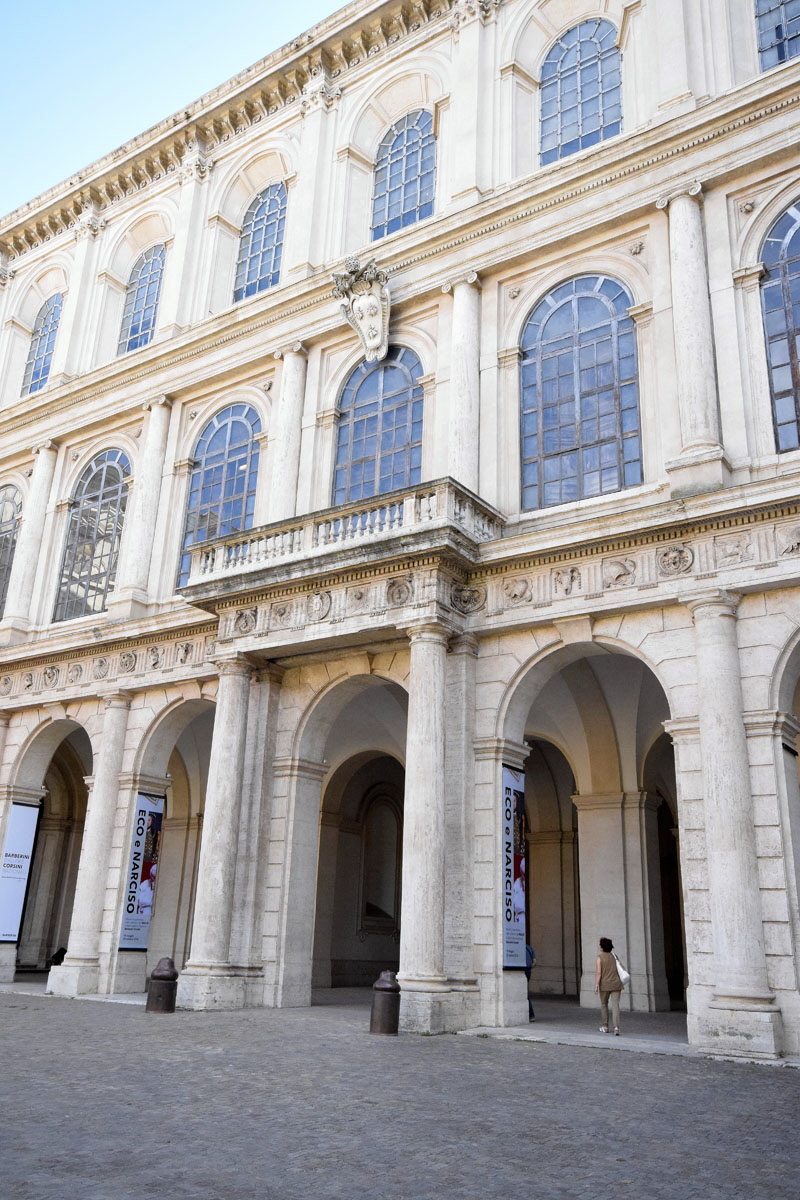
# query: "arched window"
x,y
10,513
91,552
261,244
222,485
405,170
778,24
780,303
581,91
379,445
37,368
580,397
141,300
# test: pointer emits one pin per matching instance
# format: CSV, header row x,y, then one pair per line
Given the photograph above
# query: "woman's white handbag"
x,y
624,976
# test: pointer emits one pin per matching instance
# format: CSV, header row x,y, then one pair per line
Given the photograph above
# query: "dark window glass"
x,y
10,513
778,25
405,170
37,368
222,483
579,425
581,90
780,304
141,300
261,243
379,439
97,512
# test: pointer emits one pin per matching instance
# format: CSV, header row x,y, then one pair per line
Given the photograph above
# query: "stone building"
x,y
300,588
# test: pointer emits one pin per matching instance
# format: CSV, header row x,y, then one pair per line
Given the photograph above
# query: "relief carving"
x,y
365,304
566,580
398,591
27,682
100,668
127,662
357,599
675,560
318,605
74,672
6,685
50,675
154,657
281,614
731,551
619,572
245,620
183,653
517,591
467,599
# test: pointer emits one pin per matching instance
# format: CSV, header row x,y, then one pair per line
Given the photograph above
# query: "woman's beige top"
x,y
609,979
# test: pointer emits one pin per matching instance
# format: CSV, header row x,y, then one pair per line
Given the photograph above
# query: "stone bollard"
x,y
385,1015
163,987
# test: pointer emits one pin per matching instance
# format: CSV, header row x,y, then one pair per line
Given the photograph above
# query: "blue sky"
x,y
78,80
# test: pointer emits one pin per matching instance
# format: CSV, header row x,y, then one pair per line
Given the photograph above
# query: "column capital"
x,y
750,277
234,664
471,278
716,602
162,401
49,444
464,643
609,801
501,750
117,699
682,730
773,723
291,348
691,190
429,631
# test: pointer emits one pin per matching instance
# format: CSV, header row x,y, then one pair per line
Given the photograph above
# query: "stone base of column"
x,y
438,1006
128,604
697,470
75,977
737,1027
13,630
219,986
8,962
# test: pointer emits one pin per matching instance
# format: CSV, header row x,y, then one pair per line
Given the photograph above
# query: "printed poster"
x,y
142,872
15,867
513,868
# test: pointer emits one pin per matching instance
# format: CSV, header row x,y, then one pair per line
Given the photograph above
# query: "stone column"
x,y
70,351
208,980
130,598
422,978
471,98
701,466
742,1017
80,971
286,434
28,552
464,424
180,286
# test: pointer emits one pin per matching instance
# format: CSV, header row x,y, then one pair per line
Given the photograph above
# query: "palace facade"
x,y
309,581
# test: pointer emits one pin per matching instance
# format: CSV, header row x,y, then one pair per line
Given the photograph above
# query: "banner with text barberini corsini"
x,y
15,867
513,868
142,872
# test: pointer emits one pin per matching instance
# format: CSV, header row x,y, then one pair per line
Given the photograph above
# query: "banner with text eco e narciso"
x,y
15,867
513,868
142,872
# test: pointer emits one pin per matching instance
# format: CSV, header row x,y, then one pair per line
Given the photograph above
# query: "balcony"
x,y
439,518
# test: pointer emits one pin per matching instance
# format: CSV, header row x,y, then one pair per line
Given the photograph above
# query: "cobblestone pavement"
x,y
107,1102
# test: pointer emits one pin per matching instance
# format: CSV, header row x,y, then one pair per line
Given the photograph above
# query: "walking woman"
x,y
608,983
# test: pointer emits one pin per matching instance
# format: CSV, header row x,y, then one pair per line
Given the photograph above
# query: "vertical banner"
x,y
513,868
142,872
15,867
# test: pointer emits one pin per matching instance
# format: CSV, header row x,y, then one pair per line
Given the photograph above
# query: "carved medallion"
x,y
398,591
6,685
50,676
365,304
100,668
675,560
127,661
516,591
183,652
74,672
280,615
318,605
245,620
467,599
27,682
566,580
154,656
619,572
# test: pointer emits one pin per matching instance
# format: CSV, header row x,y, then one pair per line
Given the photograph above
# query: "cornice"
x,y
282,82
